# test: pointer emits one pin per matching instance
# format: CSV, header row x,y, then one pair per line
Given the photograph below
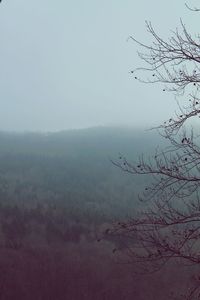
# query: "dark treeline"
x,y
58,194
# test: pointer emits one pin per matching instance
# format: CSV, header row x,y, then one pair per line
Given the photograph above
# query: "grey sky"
x,y
65,64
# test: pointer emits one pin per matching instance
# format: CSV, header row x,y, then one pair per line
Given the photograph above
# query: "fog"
x,y
66,64
90,202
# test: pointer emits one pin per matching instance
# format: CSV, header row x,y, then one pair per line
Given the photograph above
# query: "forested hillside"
x,y
59,192
72,169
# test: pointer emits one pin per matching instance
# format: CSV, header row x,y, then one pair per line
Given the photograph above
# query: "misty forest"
x,y
60,195
95,211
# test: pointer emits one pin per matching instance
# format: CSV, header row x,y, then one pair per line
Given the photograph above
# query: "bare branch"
x,y
168,227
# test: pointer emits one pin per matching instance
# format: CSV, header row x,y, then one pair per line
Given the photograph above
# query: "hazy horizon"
x,y
125,127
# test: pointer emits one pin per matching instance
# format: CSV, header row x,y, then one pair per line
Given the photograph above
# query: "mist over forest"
x,y
99,150
59,193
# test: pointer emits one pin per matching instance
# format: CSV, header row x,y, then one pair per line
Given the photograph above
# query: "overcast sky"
x,y
65,64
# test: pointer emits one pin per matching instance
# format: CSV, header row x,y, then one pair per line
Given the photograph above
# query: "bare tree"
x,y
169,226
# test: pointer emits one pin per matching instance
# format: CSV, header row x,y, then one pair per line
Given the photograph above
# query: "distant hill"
x,y
101,140
73,169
